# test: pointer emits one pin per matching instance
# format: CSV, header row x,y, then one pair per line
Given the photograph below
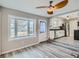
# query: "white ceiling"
x,y
29,6
70,15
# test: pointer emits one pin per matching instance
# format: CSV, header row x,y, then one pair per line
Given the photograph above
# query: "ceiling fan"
x,y
52,8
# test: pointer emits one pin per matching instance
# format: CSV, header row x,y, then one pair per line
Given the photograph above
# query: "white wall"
x,y
7,45
73,26
0,30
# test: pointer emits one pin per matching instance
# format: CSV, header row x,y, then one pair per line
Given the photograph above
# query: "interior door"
x,y
42,30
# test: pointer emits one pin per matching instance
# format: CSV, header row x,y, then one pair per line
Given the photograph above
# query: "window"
x,y
42,26
12,27
31,27
21,28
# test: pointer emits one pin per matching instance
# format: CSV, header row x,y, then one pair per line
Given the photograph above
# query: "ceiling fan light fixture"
x,y
50,10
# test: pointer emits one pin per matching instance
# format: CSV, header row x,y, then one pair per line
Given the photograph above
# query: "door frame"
x,y
40,34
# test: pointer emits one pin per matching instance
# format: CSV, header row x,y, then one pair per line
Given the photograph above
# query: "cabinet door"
x,y
52,35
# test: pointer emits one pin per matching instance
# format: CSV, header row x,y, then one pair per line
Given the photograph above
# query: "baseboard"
x,y
19,48
59,37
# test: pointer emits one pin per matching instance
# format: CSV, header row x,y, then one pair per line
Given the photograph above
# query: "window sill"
x,y
22,38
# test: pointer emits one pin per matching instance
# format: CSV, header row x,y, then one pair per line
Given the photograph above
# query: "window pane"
x,y
31,27
42,26
12,28
22,28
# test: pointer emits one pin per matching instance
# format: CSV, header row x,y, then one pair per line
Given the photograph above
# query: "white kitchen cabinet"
x,y
55,23
51,35
60,33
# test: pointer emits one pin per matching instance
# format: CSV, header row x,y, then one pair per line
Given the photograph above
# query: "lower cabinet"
x,y
56,34
60,33
51,34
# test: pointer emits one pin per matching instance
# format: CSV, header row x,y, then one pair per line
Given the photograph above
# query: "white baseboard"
x,y
19,48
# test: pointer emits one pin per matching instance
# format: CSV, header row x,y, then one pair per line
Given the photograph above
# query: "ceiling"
x,y
70,15
29,6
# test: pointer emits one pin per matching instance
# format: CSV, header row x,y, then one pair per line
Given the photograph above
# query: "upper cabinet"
x,y
55,23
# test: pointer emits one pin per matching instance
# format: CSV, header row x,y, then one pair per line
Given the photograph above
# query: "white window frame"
x,y
16,18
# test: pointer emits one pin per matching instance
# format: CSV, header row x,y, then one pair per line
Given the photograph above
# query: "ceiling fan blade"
x,y
43,7
61,4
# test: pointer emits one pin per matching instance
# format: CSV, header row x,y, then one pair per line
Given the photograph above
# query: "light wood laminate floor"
x,y
51,49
